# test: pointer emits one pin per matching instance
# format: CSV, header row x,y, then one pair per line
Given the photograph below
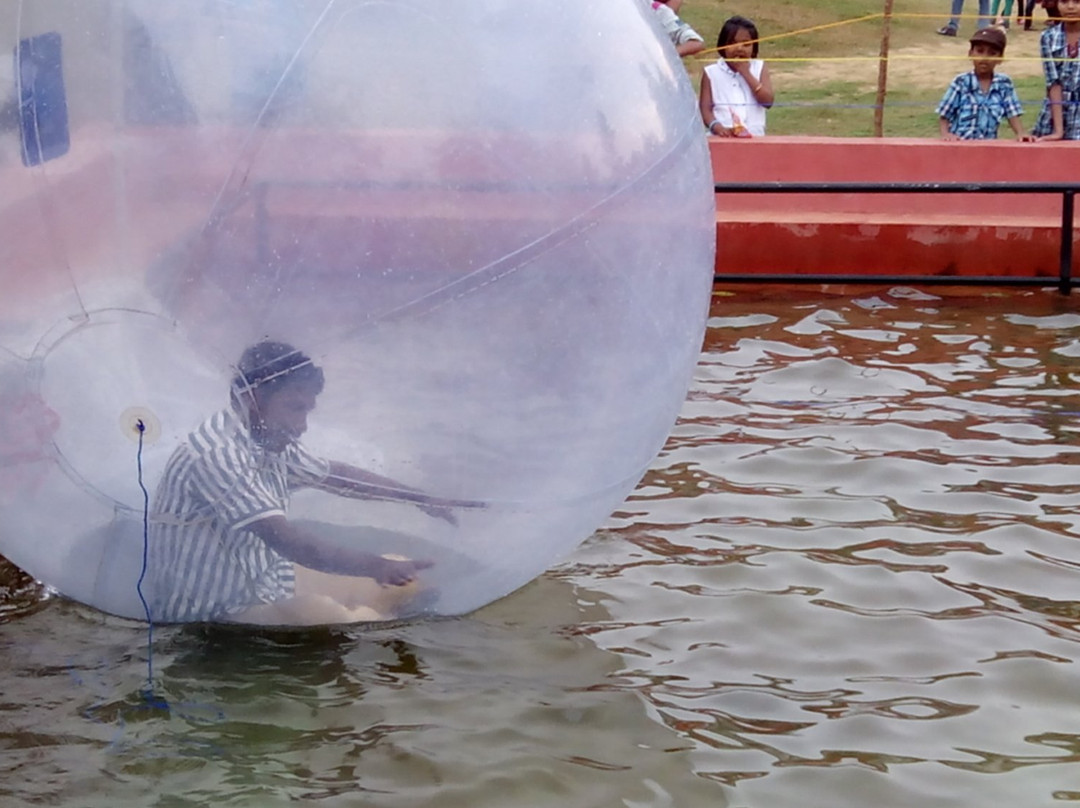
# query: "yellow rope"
x,y
900,57
822,27
855,21
701,56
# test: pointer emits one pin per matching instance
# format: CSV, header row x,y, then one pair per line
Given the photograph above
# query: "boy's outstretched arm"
x,y
309,550
350,480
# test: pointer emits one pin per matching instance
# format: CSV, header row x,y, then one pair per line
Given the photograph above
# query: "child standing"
x,y
737,89
975,103
1059,47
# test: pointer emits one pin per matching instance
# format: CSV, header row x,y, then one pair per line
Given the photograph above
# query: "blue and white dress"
x,y
1058,68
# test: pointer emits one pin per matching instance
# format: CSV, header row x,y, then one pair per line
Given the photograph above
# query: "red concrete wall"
x,y
63,225
45,223
924,234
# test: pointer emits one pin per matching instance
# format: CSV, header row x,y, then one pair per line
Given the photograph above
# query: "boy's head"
x,y
988,42
277,386
267,366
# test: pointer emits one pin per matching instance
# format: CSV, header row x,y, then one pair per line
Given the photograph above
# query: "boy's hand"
x,y
397,572
443,509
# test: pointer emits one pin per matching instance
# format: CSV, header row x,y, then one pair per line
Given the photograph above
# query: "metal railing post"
x,y
1065,268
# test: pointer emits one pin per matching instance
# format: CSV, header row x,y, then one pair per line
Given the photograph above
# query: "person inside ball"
x,y
221,546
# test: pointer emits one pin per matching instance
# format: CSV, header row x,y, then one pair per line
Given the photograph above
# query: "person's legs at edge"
x,y
950,28
304,610
354,592
1023,13
321,598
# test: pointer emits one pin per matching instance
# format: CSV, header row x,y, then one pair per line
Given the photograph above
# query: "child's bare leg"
x,y
354,592
305,610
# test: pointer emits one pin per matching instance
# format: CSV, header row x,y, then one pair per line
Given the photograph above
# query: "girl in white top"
x,y
736,91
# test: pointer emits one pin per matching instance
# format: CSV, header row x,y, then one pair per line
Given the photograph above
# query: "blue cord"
x,y
145,555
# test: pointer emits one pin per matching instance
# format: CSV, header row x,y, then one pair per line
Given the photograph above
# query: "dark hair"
x,y
731,27
269,365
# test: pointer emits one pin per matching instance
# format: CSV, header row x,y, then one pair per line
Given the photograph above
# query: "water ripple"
x,y
858,551
850,579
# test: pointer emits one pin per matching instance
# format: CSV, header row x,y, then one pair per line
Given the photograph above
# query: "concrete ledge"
x,y
918,234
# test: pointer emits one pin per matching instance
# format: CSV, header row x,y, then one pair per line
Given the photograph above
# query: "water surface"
x,y
850,579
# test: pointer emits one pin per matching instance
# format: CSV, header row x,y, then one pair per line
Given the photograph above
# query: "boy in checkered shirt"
x,y
977,101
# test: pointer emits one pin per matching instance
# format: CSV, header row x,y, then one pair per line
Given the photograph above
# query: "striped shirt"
x,y
1059,68
973,114
204,562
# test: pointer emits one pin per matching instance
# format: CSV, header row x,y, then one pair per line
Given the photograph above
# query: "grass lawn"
x,y
824,61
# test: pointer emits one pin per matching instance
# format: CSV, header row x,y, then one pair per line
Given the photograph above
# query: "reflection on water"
x,y
507,707
851,579
855,570
19,593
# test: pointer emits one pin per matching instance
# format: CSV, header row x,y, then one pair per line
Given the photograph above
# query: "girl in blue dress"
x,y
1059,47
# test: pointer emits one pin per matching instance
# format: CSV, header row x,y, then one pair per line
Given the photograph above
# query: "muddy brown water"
x,y
850,579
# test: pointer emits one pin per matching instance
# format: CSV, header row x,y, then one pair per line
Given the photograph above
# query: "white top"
x,y
204,562
732,95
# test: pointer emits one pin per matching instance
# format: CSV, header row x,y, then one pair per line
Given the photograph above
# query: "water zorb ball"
x,y
489,224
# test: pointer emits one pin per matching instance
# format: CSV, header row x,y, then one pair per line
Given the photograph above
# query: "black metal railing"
x,y
1064,280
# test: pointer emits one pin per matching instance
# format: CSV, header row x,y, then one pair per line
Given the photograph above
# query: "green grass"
x,y
822,90
844,109
780,18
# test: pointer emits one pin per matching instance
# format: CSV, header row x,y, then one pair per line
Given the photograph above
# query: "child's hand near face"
x,y
742,67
